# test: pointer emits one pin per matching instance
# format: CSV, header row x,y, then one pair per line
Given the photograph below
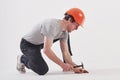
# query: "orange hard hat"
x,y
77,14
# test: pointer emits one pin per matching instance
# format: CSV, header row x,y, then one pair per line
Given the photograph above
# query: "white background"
x,y
97,44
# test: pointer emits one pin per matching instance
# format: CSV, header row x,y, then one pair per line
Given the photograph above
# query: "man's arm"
x,y
69,46
51,55
66,53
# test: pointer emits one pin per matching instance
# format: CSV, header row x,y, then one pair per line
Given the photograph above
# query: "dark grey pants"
x,y
32,57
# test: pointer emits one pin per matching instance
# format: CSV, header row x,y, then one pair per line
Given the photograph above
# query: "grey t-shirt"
x,y
51,28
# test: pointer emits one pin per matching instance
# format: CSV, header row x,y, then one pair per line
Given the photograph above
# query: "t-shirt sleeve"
x,y
48,30
65,38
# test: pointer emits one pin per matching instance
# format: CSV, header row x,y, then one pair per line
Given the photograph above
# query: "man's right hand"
x,y
66,67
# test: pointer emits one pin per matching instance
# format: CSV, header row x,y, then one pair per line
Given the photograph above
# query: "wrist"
x,y
62,64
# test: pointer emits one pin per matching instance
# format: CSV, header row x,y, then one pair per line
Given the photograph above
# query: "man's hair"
x,y
67,16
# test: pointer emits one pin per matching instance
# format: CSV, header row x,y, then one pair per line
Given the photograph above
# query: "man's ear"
x,y
70,20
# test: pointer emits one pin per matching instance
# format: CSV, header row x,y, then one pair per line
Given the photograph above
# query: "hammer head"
x,y
82,65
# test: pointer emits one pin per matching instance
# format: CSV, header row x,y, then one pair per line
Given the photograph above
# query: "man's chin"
x,y
69,31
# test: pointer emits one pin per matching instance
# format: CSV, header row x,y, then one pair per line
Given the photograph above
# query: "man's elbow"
x,y
46,51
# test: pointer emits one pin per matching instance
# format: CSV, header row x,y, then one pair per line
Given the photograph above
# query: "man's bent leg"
x,y
33,59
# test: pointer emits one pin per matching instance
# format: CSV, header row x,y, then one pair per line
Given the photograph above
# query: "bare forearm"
x,y
65,52
68,58
51,55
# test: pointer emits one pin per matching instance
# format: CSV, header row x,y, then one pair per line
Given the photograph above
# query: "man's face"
x,y
72,26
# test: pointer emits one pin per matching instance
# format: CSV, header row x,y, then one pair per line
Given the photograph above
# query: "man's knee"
x,y
43,72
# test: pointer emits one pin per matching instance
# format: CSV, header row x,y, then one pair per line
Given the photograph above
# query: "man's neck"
x,y
64,26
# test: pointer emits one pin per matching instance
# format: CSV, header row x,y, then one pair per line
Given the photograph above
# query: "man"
x,y
42,37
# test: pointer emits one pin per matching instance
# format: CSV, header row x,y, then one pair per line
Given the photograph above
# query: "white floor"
x,y
95,74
